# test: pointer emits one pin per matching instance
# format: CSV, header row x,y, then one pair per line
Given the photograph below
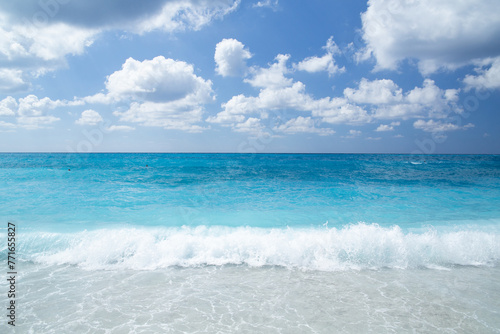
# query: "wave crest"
x,y
359,246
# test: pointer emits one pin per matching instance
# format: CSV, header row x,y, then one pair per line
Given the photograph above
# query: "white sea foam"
x,y
359,246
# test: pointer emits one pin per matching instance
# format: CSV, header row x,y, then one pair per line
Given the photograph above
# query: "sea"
x,y
250,243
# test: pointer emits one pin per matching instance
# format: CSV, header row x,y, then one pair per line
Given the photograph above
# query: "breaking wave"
x,y
358,246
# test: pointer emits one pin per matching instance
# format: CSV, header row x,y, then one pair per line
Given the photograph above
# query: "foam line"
x,y
358,246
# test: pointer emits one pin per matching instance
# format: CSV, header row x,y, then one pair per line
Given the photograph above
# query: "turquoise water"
x,y
382,242
268,190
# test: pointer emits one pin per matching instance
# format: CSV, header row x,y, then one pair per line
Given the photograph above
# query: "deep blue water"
x,y
263,190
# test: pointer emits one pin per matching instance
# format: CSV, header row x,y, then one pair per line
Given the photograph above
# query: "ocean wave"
x,y
357,246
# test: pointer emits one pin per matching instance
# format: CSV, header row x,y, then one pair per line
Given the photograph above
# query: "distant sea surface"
x,y
252,243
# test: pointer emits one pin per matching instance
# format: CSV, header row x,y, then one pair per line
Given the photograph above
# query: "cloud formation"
x,y
37,36
31,112
437,33
371,100
488,75
158,80
89,117
303,125
230,58
439,126
325,63
386,127
273,76
159,92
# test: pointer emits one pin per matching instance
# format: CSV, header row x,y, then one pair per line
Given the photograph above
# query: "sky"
x,y
250,76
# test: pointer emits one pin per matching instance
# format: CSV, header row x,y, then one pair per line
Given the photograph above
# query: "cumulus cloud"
x,y
161,92
37,36
371,100
487,77
325,63
31,112
375,92
387,100
185,14
237,107
11,80
89,117
230,56
328,110
387,127
273,76
353,134
159,80
302,125
252,126
175,115
8,106
28,51
121,14
437,33
340,111
439,126
125,128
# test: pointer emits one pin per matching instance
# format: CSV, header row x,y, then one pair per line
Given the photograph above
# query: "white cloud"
x,y
487,78
387,100
353,134
437,33
161,92
175,115
158,80
186,14
31,112
266,3
8,106
302,125
375,92
234,110
89,117
31,105
230,56
122,14
7,125
272,77
268,99
54,42
36,122
439,126
330,110
371,100
37,36
252,125
113,128
11,80
387,127
30,51
339,111
99,98
384,127
325,63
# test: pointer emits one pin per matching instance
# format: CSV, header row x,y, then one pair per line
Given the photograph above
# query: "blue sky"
x,y
382,76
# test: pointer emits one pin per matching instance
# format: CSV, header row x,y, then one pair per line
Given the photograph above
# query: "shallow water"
x,y
230,299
